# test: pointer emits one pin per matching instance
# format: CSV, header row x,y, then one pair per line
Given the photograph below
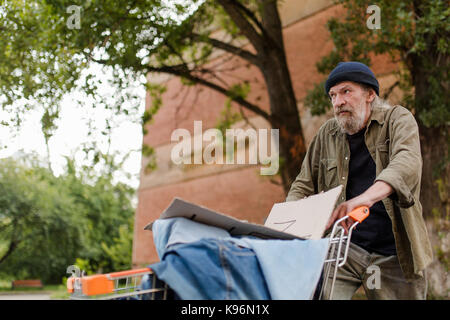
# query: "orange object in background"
x,y
97,284
102,283
133,272
70,285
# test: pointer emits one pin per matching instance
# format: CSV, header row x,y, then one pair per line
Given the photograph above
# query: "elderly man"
x,y
373,150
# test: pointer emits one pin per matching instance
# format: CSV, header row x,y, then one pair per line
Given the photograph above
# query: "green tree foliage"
x,y
104,208
136,39
119,252
47,222
38,67
33,73
39,233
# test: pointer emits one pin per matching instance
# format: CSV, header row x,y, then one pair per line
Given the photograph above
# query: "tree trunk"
x,y
283,104
285,117
11,248
434,141
435,190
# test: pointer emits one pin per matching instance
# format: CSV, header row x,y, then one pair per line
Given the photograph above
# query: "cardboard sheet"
x,y
304,219
182,208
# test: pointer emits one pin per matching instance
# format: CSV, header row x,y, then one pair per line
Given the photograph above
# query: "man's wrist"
x,y
366,198
378,191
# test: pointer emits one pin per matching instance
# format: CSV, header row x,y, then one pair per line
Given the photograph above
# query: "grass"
x,y
60,293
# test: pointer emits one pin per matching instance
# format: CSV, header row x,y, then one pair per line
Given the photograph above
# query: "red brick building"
x,y
237,190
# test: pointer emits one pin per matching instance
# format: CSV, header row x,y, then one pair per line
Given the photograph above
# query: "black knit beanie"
x,y
352,71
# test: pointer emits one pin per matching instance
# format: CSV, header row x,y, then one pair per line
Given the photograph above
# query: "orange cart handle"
x,y
70,284
359,214
102,283
128,272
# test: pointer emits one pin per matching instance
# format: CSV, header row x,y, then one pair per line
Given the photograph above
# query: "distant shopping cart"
x,y
142,284
122,285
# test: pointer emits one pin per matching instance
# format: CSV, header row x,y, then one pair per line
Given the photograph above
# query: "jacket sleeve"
x,y
404,170
305,184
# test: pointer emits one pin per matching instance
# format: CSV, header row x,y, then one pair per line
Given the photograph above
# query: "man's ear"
x,y
370,95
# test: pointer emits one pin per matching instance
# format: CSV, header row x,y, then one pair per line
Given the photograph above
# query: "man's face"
x,y
351,105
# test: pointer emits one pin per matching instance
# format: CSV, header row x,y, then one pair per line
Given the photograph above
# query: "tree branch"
x,y
245,118
391,88
232,8
244,54
182,71
186,112
249,14
12,247
212,74
271,24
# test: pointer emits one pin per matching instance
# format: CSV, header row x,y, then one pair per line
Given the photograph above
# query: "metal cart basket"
x,y
129,284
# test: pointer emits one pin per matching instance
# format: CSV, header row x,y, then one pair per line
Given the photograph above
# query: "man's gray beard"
x,y
351,124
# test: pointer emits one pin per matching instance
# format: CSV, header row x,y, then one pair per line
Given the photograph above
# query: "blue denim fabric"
x,y
167,232
212,269
291,268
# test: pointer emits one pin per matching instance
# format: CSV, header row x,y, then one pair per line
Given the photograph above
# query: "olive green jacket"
x,y
392,138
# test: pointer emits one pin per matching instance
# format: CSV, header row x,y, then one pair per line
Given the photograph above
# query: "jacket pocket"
x,y
331,174
383,154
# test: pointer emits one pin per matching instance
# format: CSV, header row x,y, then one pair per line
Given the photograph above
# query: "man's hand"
x,y
378,191
346,207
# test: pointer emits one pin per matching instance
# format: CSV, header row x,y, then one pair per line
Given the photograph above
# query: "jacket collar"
x,y
378,114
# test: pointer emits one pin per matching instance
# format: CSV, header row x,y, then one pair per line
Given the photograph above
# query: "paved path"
x,y
25,296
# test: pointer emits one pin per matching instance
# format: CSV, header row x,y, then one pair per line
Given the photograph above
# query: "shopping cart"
x,y
337,256
126,285
142,284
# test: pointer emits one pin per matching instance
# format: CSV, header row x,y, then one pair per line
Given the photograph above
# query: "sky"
x,y
73,131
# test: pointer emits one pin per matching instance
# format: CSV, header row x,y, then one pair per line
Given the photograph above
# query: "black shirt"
x,y
375,233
